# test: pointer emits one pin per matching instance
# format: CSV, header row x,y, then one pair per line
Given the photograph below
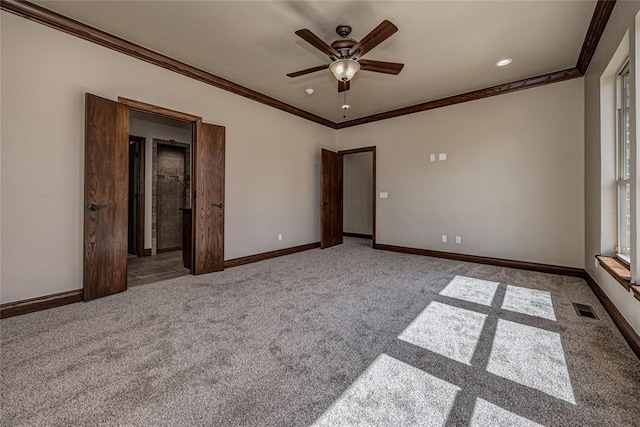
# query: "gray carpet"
x,y
342,336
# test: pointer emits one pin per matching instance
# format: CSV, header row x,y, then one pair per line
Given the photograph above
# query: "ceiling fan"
x,y
346,53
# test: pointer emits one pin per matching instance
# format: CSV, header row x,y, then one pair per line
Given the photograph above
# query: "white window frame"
x,y
623,172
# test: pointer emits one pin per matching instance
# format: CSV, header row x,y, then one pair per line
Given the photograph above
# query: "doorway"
x,y
358,196
171,194
360,199
167,202
106,189
135,238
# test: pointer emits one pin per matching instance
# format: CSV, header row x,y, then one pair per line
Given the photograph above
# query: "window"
x,y
623,153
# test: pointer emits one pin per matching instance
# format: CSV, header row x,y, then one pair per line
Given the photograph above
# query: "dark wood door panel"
x,y
208,208
338,201
331,203
105,197
325,211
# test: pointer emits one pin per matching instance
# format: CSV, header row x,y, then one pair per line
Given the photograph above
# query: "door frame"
x,y
371,149
155,196
98,250
141,182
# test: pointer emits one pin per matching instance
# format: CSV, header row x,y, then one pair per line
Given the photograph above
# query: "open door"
x,y
208,199
106,151
331,204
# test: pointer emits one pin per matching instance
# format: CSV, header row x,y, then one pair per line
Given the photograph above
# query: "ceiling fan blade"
x,y
317,42
380,66
379,34
308,71
343,86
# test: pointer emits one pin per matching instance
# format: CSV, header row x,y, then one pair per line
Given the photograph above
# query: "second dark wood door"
x,y
208,200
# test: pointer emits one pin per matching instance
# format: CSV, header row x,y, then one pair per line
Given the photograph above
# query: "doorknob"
x,y
324,203
220,205
92,207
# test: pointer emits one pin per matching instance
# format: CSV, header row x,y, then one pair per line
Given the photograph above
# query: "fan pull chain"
x,y
344,115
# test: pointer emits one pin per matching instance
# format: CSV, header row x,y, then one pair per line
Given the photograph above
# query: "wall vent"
x,y
585,310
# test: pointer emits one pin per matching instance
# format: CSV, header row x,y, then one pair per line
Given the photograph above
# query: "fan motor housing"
x,y
343,46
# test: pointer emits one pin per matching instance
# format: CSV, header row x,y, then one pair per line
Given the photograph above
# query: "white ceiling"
x,y
448,47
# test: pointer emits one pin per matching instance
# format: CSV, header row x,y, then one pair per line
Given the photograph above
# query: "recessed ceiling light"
x,y
308,91
504,62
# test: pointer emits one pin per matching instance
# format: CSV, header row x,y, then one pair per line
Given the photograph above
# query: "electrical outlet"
x,y
279,237
458,240
384,195
442,156
444,238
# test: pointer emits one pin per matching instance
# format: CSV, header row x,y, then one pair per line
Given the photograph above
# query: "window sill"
x,y
622,259
636,291
619,271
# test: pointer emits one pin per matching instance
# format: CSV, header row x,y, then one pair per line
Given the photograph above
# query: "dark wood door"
x,y
133,211
331,203
208,199
105,197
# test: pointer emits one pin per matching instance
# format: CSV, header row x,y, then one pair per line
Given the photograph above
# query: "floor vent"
x,y
584,310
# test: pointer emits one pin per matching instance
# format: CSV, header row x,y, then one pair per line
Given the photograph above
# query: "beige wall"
x,y
599,159
512,184
272,158
357,186
149,126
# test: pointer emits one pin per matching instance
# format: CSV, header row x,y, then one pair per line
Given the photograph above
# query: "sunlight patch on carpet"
x,y
532,357
392,393
470,289
529,301
446,330
486,414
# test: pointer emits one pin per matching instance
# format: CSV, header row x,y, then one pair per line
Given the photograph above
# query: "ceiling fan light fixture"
x,y
344,69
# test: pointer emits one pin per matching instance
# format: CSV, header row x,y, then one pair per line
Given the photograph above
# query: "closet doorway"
x,y
348,207
358,194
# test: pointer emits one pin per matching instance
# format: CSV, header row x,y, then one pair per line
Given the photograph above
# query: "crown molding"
x,y
599,20
528,83
60,22
598,23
